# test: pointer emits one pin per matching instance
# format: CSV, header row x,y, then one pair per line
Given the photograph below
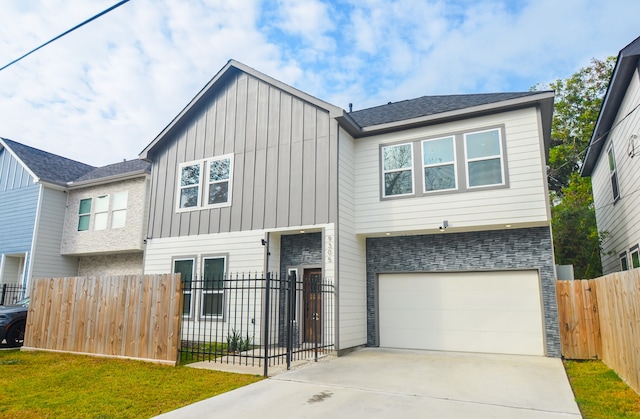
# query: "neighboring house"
x,y
106,218
613,162
40,190
32,204
430,216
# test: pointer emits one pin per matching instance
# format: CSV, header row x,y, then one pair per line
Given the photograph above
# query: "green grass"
x,y
54,385
599,391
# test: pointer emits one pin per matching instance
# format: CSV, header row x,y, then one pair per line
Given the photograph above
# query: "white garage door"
x,y
493,312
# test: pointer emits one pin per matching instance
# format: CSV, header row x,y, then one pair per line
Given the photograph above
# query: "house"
x,y
430,216
40,190
613,162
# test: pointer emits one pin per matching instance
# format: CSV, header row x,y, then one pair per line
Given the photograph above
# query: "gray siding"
x,y
12,174
484,250
284,168
47,261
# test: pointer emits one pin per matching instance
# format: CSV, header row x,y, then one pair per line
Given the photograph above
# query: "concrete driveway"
x,y
398,384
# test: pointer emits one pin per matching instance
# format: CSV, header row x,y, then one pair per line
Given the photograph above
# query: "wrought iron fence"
x,y
257,320
11,293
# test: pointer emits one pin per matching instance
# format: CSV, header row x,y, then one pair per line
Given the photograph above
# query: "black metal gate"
x,y
11,294
257,320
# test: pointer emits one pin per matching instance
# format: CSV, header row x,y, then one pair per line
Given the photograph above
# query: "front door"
x,y
312,298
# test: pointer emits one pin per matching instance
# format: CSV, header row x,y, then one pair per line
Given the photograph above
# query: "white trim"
x,y
179,186
500,156
403,169
203,183
208,184
35,178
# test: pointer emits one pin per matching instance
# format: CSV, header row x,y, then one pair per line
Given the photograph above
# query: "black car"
x,y
12,322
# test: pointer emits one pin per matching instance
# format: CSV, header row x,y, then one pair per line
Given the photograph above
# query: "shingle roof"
x,y
116,169
47,166
427,105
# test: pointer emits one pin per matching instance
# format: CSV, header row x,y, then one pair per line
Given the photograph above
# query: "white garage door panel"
x,y
496,312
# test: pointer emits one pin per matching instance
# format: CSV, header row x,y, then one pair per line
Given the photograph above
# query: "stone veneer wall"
x,y
111,265
300,249
482,250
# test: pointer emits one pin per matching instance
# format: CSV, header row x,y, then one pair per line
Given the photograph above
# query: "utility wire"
x,y
104,12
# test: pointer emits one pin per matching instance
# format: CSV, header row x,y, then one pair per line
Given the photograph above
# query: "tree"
x,y
577,104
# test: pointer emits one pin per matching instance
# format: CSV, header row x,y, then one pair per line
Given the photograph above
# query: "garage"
x,y
492,312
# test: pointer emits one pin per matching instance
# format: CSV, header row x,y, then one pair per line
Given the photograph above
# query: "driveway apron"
x,y
394,383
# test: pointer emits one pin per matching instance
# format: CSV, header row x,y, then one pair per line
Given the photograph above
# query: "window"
x,y
635,257
624,262
213,272
190,186
397,169
219,175
484,158
217,183
84,214
439,163
101,213
119,212
613,173
185,268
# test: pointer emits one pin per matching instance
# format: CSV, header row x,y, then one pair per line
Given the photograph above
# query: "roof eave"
x,y
543,98
626,65
108,179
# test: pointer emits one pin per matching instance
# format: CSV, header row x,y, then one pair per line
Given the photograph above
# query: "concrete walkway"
x,y
399,384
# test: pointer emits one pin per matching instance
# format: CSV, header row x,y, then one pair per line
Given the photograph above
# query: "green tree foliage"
x,y
577,104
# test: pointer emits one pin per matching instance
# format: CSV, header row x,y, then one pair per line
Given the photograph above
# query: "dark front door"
x,y
312,298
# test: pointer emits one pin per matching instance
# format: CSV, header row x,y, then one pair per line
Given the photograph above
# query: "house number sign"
x,y
329,248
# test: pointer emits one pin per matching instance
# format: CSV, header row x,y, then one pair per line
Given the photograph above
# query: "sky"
x,y
102,93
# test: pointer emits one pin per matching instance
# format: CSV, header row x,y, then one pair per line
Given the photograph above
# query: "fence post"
x,y
4,291
266,324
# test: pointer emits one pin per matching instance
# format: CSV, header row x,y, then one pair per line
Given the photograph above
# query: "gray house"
x,y
104,208
613,162
430,216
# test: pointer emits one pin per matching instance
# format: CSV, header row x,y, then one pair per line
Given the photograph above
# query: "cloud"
x,y
105,91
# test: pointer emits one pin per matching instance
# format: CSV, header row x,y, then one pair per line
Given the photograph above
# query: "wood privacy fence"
x,y
600,318
132,316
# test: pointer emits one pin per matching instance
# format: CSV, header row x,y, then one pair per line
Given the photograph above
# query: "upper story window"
x,y
84,214
459,162
108,211
119,213
101,213
439,163
397,169
483,153
193,190
613,173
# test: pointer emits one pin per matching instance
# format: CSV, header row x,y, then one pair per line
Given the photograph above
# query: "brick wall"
x,y
482,250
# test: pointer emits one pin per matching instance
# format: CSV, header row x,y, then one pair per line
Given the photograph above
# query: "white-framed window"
x,y
205,183
219,180
185,267
213,276
624,262
439,164
635,256
189,185
613,174
484,156
119,210
101,219
397,170
84,214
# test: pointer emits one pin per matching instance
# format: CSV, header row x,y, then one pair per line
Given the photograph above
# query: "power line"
x,y
104,12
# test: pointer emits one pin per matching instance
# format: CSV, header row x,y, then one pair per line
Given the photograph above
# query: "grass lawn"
x,y
599,391
54,385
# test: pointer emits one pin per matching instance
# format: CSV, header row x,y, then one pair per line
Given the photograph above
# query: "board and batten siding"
x,y
47,261
523,202
17,218
352,273
13,175
284,164
621,221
